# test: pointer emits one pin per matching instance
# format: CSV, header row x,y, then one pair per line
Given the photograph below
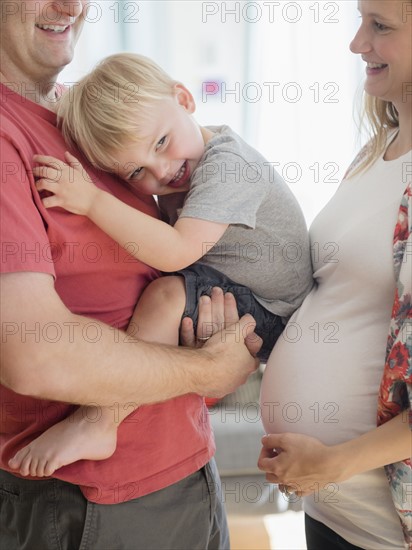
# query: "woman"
x,y
320,388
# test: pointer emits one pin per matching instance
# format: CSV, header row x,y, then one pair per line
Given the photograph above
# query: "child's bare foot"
x,y
74,438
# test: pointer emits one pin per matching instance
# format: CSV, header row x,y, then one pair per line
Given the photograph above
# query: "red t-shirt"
x,y
95,277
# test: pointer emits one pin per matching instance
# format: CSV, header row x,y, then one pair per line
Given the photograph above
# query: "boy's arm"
x,y
158,244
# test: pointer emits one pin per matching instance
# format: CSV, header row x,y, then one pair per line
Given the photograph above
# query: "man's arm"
x,y
116,367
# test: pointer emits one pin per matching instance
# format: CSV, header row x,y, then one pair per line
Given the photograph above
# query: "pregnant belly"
x,y
317,390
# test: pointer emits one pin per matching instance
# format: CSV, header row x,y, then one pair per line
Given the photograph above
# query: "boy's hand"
x,y
68,182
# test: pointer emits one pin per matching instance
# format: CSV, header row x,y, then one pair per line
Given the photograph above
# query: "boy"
x,y
225,204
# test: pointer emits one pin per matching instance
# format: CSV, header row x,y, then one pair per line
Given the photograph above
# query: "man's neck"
x,y
44,92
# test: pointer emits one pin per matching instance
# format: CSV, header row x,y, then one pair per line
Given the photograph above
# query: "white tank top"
x,y
323,375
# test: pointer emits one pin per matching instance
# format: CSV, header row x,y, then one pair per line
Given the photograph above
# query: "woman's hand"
x,y
68,182
299,464
304,465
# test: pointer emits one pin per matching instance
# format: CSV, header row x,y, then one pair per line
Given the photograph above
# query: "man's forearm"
x,y
92,362
114,368
48,352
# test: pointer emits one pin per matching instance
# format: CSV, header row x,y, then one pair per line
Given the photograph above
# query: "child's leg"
x,y
156,319
159,311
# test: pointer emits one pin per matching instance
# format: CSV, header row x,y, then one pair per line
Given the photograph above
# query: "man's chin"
x,y
63,62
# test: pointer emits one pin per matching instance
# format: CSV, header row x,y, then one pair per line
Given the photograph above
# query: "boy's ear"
x,y
185,98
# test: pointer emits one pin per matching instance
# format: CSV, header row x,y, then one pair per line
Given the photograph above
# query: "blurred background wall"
x,y
280,73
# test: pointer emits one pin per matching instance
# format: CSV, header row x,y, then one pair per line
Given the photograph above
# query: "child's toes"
x,y
16,461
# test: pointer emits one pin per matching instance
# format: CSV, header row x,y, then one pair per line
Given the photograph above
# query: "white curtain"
x,y
307,126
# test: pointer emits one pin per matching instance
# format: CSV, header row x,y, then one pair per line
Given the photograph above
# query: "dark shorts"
x,y
200,279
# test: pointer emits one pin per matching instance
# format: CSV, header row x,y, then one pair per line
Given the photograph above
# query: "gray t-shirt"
x,y
266,246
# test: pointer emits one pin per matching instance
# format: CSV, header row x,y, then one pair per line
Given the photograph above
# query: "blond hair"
x,y
104,110
378,117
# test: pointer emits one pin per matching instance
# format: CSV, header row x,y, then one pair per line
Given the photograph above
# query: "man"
x,y
67,291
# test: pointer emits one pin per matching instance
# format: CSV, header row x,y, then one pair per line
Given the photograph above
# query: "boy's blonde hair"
x,y
104,109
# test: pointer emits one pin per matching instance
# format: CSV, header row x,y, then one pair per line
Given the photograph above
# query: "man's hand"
x,y
215,314
68,182
230,343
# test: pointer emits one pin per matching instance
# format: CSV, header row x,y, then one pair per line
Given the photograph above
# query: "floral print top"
x,y
395,393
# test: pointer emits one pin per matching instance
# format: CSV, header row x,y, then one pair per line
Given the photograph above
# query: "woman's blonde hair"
x,y
104,110
378,117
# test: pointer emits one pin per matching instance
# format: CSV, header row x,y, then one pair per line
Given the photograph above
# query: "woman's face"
x,y
384,40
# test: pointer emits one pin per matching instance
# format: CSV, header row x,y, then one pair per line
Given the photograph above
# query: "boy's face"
x,y
163,161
